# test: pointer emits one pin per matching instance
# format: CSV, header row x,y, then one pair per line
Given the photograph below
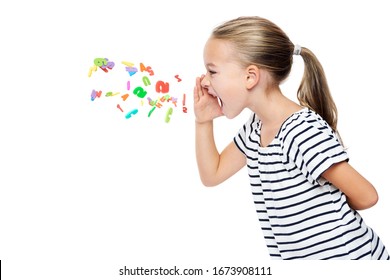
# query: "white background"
x,y
85,191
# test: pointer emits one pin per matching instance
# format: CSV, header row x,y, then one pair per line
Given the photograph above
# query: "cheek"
x,y
231,90
227,88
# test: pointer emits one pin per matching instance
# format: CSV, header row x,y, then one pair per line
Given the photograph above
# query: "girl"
x,y
305,192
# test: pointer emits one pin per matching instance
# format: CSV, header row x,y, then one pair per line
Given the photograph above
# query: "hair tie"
x,y
297,50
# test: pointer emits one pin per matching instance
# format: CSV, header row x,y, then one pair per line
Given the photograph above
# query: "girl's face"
x,y
225,78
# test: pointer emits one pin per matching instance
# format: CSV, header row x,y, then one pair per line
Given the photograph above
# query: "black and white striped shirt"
x,y
303,216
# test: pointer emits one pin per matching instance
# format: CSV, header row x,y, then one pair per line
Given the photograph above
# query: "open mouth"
x,y
220,103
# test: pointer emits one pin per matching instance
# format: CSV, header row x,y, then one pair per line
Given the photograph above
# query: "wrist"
x,y
198,122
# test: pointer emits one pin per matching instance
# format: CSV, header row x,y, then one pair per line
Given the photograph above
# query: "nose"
x,y
205,83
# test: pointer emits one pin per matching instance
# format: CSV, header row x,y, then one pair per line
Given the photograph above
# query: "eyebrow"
x,y
210,64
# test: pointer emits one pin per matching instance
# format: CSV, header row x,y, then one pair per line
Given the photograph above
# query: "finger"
x,y
199,85
196,91
196,94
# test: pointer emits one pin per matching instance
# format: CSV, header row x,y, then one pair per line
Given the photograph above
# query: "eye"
x,y
212,72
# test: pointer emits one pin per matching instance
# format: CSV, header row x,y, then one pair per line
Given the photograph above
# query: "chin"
x,y
230,116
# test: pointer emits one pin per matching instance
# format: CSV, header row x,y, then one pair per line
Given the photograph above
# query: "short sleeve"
x,y
311,144
242,137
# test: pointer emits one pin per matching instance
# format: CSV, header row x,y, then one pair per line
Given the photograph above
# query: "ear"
x,y
252,76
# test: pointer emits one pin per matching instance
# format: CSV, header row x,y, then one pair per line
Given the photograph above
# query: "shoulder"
x,y
307,130
303,125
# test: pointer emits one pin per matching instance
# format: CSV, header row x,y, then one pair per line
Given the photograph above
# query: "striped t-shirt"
x,y
303,216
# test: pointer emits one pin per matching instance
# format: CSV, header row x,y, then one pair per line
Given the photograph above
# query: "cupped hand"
x,y
206,106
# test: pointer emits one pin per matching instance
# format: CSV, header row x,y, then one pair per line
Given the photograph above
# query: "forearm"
x,y
207,155
360,193
368,201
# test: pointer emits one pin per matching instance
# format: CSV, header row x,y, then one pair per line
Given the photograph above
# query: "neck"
x,y
272,107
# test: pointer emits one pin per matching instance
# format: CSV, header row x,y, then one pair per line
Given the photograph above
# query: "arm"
x,y
360,193
214,168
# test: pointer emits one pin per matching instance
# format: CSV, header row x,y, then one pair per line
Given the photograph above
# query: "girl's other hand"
x,y
206,106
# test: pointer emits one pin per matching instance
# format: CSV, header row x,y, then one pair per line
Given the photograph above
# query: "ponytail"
x,y
314,92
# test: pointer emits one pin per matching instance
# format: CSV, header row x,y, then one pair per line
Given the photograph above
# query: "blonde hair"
x,y
260,42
